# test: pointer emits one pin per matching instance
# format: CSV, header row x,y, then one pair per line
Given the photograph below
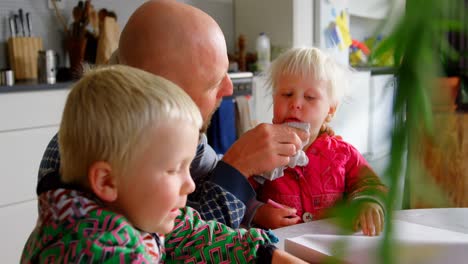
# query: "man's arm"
x,y
221,191
262,149
215,203
194,240
206,167
222,195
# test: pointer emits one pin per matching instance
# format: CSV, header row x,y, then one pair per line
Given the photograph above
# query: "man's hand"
x,y
370,219
268,216
264,148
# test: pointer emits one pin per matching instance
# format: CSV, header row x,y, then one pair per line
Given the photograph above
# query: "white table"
x,y
453,219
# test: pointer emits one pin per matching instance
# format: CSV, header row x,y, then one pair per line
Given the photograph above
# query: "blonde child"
x,y
127,139
307,88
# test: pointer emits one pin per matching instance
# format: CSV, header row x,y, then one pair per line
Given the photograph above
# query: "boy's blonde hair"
x,y
310,61
110,112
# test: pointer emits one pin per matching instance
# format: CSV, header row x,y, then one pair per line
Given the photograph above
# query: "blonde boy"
x,y
126,141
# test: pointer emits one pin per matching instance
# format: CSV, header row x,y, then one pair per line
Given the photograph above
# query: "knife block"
x,y
22,52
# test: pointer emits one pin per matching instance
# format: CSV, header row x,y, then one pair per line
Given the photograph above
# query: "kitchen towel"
x,y
222,130
244,121
300,159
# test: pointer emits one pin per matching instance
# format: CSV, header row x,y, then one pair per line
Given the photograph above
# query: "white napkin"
x,y
300,159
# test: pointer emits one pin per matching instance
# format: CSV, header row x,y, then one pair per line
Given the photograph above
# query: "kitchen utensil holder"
x,y
76,47
22,53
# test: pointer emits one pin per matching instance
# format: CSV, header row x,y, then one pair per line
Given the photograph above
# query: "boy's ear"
x,y
102,182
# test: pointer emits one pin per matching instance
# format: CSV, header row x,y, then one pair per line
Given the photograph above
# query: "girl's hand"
x,y
268,216
370,219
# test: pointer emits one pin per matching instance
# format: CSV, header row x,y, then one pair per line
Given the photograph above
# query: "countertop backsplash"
x,y
46,25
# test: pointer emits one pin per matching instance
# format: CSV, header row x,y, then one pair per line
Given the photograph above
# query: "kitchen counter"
x,y
242,82
376,70
33,86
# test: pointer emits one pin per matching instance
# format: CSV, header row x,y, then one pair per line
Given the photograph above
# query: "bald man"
x,y
186,46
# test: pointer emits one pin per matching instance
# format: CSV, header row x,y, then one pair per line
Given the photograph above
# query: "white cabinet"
x,y
23,110
28,122
17,223
21,154
382,93
365,117
352,118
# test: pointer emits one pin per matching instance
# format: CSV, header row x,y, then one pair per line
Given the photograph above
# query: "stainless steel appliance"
x,y
47,66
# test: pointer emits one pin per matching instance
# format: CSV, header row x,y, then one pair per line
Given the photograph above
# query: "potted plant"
x,y
418,43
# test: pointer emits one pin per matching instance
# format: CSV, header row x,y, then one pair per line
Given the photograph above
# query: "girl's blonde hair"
x,y
309,61
110,112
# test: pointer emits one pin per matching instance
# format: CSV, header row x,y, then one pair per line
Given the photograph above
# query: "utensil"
x,y
7,77
47,66
28,20
12,26
21,17
17,24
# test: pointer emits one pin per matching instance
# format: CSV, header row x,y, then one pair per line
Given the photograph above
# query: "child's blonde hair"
x,y
110,112
310,61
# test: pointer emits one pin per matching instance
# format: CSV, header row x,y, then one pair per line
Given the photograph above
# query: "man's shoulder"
x,y
50,163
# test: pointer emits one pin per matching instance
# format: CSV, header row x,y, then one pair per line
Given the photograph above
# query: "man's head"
x,y
180,43
133,146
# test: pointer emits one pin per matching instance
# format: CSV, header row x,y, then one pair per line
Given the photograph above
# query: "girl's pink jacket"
x,y
336,171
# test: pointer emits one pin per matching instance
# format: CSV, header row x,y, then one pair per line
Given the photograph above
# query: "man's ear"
x,y
102,182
